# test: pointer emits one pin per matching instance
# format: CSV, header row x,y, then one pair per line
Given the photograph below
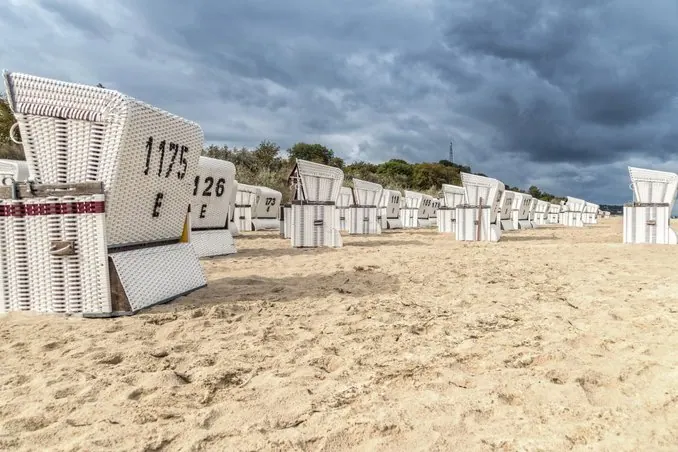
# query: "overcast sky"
x,y
561,94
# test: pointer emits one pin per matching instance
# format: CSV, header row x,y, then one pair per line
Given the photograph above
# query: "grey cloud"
x,y
561,93
74,15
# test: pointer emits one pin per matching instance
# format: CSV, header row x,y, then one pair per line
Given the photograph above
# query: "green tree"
x,y
535,192
314,153
362,170
395,168
266,156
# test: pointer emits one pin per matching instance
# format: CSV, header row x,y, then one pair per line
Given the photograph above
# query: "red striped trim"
x,y
61,208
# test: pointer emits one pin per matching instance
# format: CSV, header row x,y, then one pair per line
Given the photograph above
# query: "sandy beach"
x,y
552,339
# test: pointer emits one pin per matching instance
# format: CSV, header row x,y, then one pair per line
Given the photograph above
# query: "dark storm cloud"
x,y
574,82
562,94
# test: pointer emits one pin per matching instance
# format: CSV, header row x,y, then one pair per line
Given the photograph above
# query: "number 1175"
x,y
168,155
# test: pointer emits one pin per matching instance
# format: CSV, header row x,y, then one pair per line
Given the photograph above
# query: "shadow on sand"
x,y
359,282
526,238
375,243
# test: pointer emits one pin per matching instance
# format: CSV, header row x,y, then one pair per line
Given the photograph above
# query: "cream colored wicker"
x,y
362,216
390,209
145,157
590,215
477,219
232,223
411,209
453,196
533,209
313,225
648,218
212,192
245,201
573,212
53,254
520,213
266,211
426,212
344,202
541,213
286,221
314,214
554,213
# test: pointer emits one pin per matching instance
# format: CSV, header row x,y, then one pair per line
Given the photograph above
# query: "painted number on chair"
x,y
208,189
164,159
270,202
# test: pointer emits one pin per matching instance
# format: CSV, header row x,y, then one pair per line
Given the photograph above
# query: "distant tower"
x,y
451,158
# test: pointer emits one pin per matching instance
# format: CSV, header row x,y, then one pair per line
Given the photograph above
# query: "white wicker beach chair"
x,y
314,214
647,219
390,209
453,196
410,208
506,210
245,202
266,210
363,214
144,159
573,211
520,214
344,202
477,218
212,188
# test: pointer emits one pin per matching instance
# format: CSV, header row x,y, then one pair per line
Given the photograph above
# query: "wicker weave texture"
x,y
390,203
286,230
318,182
267,204
34,279
367,193
485,188
506,205
363,220
446,220
266,224
648,225
409,217
158,274
212,189
453,194
146,158
314,226
210,243
413,199
473,224
652,186
345,198
342,218
243,218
